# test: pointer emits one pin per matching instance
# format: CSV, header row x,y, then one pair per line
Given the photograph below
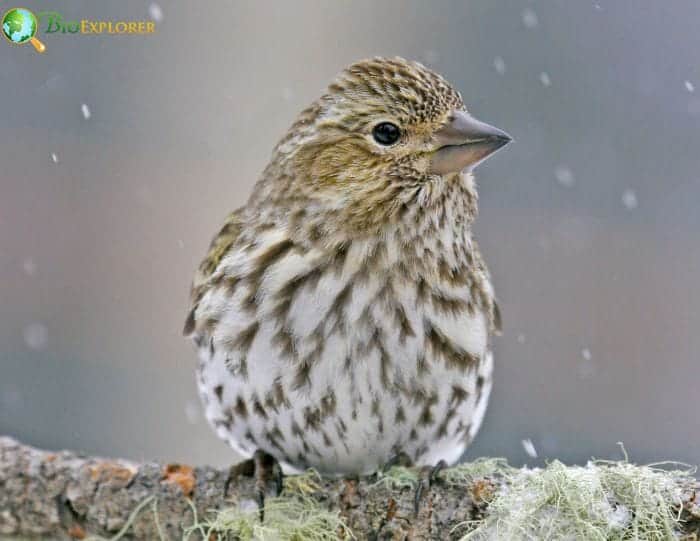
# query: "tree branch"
x,y
66,495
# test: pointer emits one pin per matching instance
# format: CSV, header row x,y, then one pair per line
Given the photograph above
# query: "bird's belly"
x,y
343,393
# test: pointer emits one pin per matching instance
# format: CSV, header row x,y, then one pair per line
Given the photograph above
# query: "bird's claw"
x,y
427,478
262,467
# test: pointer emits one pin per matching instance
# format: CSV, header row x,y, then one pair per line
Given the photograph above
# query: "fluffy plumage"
x,y
344,314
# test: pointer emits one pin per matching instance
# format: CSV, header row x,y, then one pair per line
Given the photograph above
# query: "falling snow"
x,y
530,18
586,354
36,335
564,176
529,448
499,65
54,157
86,111
629,199
29,267
545,80
155,12
690,87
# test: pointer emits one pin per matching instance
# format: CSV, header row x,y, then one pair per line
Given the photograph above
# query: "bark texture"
x,y
64,495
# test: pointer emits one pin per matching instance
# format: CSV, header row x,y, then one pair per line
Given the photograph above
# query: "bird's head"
x,y
385,130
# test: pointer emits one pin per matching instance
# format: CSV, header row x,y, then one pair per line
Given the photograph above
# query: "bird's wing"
x,y
219,247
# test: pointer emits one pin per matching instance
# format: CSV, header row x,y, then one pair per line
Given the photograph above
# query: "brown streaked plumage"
x,y
344,314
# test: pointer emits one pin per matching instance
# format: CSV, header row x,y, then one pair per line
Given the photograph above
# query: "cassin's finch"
x,y
343,316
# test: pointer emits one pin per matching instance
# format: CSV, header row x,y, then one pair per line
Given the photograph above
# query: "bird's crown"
x,y
395,86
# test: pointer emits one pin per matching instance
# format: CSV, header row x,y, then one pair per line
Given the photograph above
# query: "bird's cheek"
x,y
422,164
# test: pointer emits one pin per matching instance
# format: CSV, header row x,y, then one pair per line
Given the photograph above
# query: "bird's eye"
x,y
386,133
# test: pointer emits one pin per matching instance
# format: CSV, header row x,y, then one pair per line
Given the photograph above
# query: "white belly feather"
x,y
345,386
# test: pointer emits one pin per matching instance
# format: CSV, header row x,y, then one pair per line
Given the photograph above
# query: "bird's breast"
x,y
310,318
357,339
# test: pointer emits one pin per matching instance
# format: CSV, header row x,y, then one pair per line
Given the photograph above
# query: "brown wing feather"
x,y
219,247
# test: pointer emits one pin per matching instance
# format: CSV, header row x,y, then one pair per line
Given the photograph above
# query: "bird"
x,y
344,316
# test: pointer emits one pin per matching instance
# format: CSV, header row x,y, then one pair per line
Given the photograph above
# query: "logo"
x,y
19,26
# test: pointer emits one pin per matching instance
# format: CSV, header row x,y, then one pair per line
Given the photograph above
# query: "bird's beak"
x,y
464,142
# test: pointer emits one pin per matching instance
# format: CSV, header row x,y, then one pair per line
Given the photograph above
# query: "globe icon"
x,y
19,25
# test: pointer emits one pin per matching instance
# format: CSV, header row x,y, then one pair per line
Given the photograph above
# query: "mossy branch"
x,y
66,495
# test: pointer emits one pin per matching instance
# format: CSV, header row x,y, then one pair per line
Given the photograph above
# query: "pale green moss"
x,y
465,474
305,483
130,521
398,478
286,519
607,501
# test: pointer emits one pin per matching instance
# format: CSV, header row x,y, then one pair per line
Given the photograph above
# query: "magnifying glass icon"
x,y
19,26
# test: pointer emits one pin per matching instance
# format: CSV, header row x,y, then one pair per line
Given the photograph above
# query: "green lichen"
x,y
398,478
465,474
286,519
604,500
305,483
462,475
130,521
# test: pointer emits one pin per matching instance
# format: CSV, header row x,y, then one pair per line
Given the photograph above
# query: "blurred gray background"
x,y
589,221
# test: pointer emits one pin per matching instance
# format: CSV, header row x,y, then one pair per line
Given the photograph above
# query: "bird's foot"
x,y
427,477
263,467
